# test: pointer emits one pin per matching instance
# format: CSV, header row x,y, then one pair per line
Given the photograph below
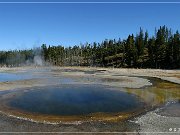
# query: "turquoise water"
x,y
74,100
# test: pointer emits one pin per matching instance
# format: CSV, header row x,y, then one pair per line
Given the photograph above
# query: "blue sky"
x,y
29,25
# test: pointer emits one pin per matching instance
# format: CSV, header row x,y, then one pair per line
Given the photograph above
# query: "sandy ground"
x,y
129,78
160,121
169,75
14,125
80,75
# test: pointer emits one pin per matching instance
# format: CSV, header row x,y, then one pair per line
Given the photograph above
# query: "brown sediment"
x,y
74,119
167,85
160,93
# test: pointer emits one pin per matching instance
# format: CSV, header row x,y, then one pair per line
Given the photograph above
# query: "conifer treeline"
x,y
137,51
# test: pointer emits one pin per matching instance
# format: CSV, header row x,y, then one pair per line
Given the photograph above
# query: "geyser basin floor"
x,y
71,102
155,95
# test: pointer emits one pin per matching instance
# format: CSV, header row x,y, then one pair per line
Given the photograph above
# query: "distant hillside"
x,y
140,51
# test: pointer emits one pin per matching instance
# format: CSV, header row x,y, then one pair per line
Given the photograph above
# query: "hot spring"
x,y
80,96
74,100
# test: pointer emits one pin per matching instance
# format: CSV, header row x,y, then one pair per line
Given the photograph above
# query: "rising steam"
x,y
38,61
38,57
